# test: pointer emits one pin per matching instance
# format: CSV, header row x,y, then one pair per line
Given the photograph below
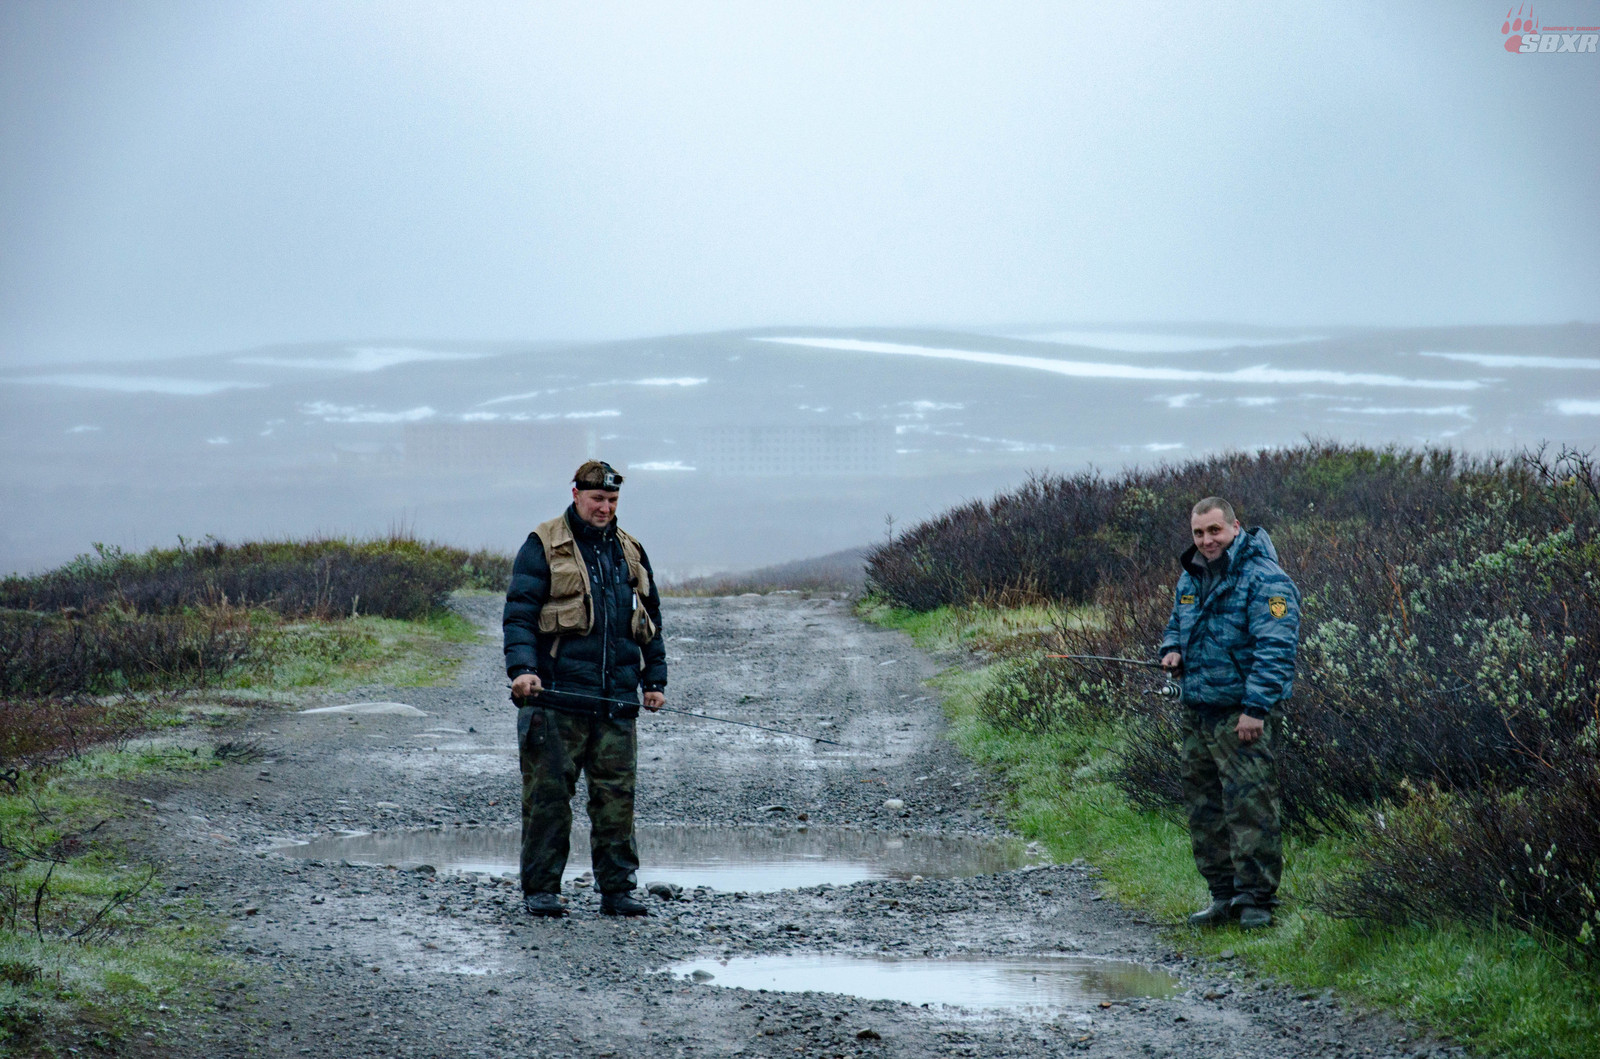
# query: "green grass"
x,y
1497,991
975,627
352,651
108,981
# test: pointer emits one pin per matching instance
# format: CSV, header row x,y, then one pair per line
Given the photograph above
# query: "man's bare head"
x,y
1214,525
1215,503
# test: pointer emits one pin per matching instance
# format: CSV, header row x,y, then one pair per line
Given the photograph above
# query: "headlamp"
x,y
597,474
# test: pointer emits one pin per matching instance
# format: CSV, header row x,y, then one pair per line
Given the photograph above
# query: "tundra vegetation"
x,y
1441,771
117,669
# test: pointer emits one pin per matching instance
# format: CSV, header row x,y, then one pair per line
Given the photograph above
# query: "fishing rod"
x,y
685,713
1169,689
1106,658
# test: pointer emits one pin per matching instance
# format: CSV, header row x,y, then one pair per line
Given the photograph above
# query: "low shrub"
x,y
37,733
1060,538
1028,696
1528,858
112,624
1042,542
1450,641
54,655
396,577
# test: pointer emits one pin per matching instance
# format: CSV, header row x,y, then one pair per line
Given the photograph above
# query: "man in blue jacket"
x,y
1231,644
582,640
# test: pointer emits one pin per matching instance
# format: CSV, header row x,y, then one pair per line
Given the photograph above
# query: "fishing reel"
x,y
1169,690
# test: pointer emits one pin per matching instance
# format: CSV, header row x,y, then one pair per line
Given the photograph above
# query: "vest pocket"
x,y
568,575
642,626
565,616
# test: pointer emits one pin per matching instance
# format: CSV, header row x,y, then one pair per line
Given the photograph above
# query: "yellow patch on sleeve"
x,y
1185,599
1277,606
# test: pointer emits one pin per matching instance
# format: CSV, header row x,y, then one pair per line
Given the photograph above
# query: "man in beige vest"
x,y
582,641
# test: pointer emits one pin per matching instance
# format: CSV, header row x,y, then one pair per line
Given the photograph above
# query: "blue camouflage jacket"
x,y
1238,644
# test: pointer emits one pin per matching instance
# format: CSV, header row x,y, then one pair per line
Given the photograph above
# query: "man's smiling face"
x,y
1213,533
597,507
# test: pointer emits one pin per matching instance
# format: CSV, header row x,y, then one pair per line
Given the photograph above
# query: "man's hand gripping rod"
x,y
1168,690
530,701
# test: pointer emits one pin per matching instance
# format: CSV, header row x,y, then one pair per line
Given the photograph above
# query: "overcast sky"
x,y
186,177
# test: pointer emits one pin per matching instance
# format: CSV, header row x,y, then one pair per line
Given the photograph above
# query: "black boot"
x,y
544,904
1253,911
1254,917
1216,914
622,904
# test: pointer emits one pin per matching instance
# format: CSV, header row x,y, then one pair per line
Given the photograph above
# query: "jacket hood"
x,y
1259,541
1249,543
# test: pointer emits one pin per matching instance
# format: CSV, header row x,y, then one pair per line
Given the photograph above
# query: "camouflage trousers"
x,y
555,747
1231,790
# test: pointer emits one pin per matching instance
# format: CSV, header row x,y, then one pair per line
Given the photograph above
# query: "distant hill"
x,y
741,448
842,572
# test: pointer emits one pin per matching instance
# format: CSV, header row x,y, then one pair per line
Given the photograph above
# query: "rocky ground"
x,y
348,960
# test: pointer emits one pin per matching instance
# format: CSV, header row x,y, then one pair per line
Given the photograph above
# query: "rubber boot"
x,y
622,904
1254,917
1214,915
544,904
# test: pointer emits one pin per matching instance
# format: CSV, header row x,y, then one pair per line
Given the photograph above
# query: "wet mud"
x,y
360,874
695,856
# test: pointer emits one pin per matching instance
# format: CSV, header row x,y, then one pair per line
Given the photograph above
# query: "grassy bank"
x,y
1494,988
91,943
331,655
182,645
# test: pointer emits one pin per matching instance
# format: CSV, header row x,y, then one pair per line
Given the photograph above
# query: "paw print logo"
x,y
1514,28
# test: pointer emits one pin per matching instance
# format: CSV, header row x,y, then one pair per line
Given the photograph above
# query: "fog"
x,y
1062,234
187,177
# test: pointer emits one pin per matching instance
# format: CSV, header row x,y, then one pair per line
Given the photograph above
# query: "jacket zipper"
x,y
604,616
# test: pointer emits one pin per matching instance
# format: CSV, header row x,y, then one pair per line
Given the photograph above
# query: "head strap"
x,y
597,474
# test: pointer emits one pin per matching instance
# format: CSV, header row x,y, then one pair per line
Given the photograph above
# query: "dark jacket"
x,y
1238,640
606,662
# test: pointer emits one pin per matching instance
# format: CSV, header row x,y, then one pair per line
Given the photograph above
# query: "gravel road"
x,y
346,960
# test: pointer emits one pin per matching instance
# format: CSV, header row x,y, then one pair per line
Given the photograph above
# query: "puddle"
x,y
378,708
1015,983
751,859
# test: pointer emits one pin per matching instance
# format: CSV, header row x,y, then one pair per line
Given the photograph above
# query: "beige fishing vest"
x,y
570,609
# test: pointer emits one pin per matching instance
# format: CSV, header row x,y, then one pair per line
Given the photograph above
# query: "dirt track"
x,y
348,961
